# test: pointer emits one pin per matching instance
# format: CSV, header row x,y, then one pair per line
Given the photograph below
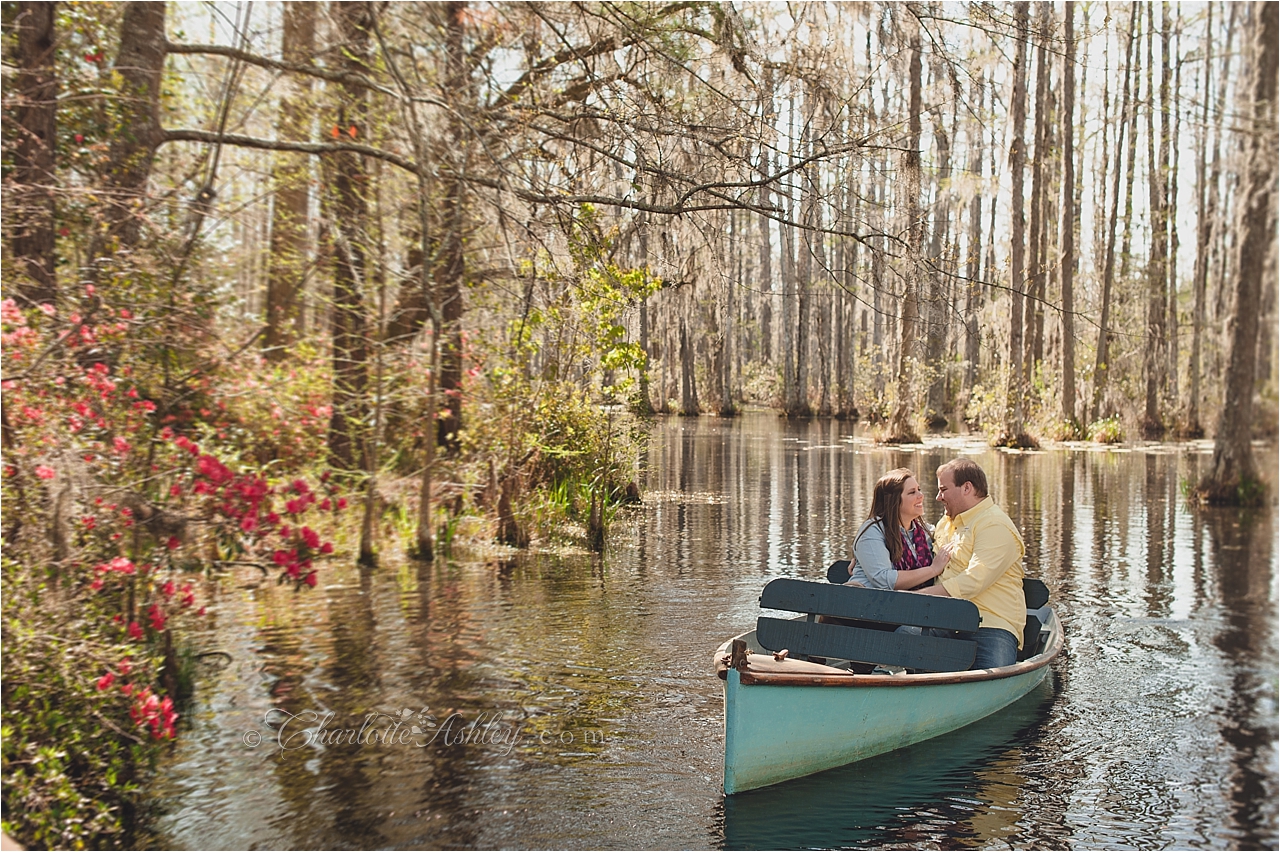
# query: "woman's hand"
x,y
941,558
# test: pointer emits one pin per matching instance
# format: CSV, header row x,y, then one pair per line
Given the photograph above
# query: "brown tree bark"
x,y
815,331
940,307
139,64
1068,260
766,237
1102,365
1033,320
973,265
1014,430
289,259
1102,158
1157,274
728,326
1191,426
689,406
645,401
1131,171
36,91
1233,476
451,260
901,420
847,353
348,227
795,376
1172,158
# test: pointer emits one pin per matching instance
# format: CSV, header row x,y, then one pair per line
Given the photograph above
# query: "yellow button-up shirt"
x,y
986,567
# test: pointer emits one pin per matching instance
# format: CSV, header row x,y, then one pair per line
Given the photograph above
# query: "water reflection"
x,y
1159,727
1248,723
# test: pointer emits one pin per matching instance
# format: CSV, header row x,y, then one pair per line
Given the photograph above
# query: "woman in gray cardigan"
x,y
894,547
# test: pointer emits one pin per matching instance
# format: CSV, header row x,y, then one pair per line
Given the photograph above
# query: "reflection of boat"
x,y
786,718
948,792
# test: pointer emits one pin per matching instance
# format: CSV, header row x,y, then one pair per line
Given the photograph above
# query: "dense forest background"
x,y
437,261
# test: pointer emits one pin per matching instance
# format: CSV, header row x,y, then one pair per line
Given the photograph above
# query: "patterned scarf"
x,y
916,552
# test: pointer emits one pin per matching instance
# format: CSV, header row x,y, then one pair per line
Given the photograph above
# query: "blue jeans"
x,y
996,647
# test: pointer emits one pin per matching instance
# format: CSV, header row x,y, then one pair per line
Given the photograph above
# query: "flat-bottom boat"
x,y
787,717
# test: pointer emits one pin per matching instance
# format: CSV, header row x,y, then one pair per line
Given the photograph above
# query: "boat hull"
x,y
779,727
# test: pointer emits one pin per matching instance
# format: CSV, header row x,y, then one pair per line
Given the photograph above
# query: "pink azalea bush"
x,y
123,493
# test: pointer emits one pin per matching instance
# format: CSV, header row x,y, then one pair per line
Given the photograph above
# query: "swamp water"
x,y
568,701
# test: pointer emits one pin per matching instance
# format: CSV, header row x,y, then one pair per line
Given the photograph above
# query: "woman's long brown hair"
x,y
886,507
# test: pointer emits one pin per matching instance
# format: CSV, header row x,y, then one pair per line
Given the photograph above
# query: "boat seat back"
x,y
840,571
1037,596
815,638
1035,633
1035,591
870,605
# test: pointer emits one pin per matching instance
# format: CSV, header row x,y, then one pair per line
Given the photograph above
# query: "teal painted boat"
x,y
787,718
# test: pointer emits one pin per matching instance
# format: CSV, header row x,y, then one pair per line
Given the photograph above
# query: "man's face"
x,y
956,499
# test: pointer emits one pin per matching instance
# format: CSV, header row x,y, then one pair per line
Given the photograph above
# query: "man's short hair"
x,y
966,470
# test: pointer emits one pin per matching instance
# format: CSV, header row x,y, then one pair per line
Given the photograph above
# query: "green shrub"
x,y
73,751
1106,431
1062,430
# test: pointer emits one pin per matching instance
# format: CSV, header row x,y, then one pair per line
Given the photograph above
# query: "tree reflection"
x,y
1242,546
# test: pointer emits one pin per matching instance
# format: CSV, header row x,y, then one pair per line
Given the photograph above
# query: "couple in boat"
x,y
974,553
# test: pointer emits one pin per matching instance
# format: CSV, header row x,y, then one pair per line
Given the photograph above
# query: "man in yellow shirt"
x,y
986,561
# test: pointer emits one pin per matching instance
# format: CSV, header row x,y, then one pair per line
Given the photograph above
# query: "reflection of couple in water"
x,y
975,552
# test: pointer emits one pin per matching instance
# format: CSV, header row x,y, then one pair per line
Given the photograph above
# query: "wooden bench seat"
x,y
1034,590
814,638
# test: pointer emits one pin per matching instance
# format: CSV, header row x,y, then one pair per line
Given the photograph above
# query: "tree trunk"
x,y
973,266
876,191
1171,203
688,383
1102,157
787,262
795,305
1014,428
348,227
35,117
1192,427
1068,261
818,330
1221,195
450,268
1034,312
1102,365
1135,54
1233,477
645,402
1157,276
728,328
940,307
847,354
901,421
139,66
767,118
289,261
